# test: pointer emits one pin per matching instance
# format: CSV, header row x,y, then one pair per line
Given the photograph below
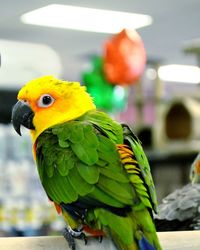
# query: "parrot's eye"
x,y
45,101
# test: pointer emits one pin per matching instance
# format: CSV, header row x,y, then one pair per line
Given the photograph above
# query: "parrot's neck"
x,y
43,124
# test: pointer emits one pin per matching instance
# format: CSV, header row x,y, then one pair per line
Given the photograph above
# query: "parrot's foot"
x,y
70,235
100,238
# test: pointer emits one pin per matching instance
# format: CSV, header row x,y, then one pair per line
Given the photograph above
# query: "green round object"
x,y
108,97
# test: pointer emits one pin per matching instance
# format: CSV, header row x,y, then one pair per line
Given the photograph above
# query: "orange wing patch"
x,y
128,159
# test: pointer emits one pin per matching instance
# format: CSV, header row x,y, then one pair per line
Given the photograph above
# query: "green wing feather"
x,y
83,152
143,164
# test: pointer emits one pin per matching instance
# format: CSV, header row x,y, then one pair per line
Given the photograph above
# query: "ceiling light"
x,y
179,73
86,19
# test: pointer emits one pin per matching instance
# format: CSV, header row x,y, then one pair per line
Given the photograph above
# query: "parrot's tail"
x,y
135,231
142,244
143,237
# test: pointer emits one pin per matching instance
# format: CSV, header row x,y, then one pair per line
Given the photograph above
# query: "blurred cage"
x,y
177,125
24,207
182,120
168,128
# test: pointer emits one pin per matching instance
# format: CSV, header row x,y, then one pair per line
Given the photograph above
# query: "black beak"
x,y
22,114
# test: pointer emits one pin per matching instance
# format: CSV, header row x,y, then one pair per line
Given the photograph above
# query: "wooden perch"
x,y
184,240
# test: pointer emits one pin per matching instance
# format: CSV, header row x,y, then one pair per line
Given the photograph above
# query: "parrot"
x,y
92,168
180,210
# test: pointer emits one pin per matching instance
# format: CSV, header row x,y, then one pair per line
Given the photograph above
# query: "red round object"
x,y
124,58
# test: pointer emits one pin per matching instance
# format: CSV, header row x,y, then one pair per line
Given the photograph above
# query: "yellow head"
x,y
52,101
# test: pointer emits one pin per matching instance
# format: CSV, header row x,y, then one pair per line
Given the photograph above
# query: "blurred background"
x,y
141,68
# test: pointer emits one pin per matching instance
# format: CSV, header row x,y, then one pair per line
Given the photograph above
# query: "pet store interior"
x,y
139,60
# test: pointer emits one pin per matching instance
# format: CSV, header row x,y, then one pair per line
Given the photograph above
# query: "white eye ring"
x,y
45,101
